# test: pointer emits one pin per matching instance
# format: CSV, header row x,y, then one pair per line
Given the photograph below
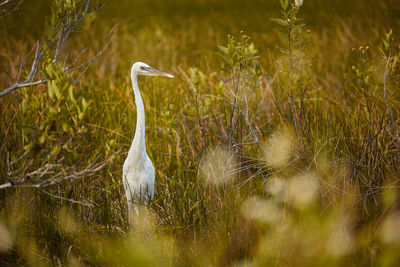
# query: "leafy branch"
x,y
66,17
290,27
240,61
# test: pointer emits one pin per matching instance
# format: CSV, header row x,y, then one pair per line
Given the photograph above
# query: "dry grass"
x,y
254,166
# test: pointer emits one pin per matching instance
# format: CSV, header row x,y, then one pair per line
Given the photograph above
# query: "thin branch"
x,y
21,85
253,132
67,199
76,59
55,179
60,42
68,70
12,10
5,2
28,82
88,170
85,14
6,185
65,28
81,74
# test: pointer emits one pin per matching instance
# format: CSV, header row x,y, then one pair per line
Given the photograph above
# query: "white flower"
x,y
298,3
278,149
219,166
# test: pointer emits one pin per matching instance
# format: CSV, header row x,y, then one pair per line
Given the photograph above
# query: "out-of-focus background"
x,y
276,144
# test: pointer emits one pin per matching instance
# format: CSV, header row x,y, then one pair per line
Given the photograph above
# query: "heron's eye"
x,y
142,68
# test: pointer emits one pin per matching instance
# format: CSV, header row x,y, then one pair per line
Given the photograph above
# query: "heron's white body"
x,y
138,178
138,169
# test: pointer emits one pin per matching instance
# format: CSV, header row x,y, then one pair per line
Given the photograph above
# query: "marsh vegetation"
x,y
277,143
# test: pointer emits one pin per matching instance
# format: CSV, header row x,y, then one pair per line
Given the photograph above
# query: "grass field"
x,y
277,143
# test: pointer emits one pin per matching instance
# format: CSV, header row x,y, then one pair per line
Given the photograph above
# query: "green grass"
x,y
320,188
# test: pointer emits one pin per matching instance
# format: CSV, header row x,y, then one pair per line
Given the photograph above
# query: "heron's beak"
x,y
155,72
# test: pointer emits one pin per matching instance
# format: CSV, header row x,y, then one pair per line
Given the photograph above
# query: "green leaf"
x,y
297,28
280,21
71,93
49,70
50,89
284,4
56,149
65,127
85,104
25,106
32,146
56,90
223,49
42,139
283,50
28,147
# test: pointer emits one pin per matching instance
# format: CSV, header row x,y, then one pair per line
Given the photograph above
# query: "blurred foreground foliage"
x,y
270,147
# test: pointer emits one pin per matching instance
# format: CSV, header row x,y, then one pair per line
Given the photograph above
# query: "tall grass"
x,y
261,157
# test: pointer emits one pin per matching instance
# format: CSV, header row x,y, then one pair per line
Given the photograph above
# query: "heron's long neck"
x,y
139,139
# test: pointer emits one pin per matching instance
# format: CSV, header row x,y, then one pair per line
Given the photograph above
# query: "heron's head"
x,y
140,68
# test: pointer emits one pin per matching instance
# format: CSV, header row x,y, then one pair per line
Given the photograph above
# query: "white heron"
x,y
138,169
